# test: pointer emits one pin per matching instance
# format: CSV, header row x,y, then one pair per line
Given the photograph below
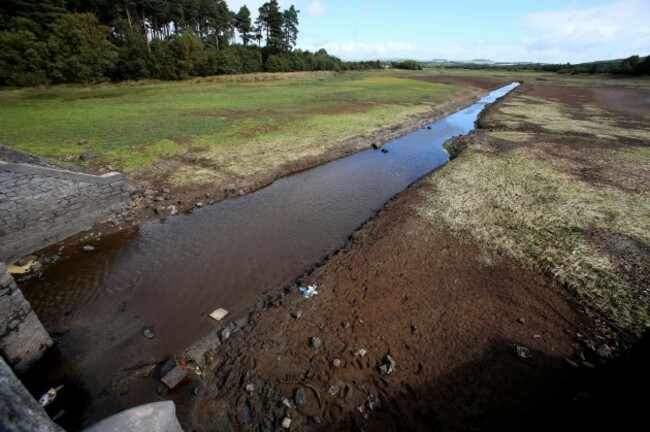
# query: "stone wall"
x,y
40,206
23,339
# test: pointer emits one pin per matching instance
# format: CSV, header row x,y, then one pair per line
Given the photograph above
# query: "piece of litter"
x,y
308,292
219,314
49,396
177,373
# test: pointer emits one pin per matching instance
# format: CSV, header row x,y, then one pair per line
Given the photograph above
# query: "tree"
x,y
243,24
290,26
22,59
79,50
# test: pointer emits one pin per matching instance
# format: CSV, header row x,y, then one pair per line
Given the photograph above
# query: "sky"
x,y
549,31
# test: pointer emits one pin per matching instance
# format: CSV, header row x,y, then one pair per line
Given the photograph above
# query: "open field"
x,y
207,130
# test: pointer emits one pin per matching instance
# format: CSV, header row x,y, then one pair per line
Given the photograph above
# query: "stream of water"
x,y
171,274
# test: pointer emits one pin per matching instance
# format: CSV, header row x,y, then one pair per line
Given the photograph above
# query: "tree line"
x,y
90,41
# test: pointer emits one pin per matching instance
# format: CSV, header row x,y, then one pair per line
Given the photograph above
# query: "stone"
x,y
250,388
337,363
345,324
286,423
429,127
316,419
166,191
604,351
384,150
296,314
149,332
199,204
159,198
88,248
300,396
522,352
571,363
86,156
82,142
316,342
333,390
360,352
521,320
173,210
388,366
155,416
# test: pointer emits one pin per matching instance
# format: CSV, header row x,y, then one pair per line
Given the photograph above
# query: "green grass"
x,y
135,126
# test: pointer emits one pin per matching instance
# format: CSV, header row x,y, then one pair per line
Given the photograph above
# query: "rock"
x,y
177,373
158,210
571,362
199,204
300,397
316,342
155,416
345,324
521,320
162,390
337,363
522,352
360,352
429,127
333,390
82,142
148,332
604,351
250,388
388,366
588,364
286,402
296,314
316,419
286,423
384,150
88,248
195,391
86,156
159,198
165,191
173,210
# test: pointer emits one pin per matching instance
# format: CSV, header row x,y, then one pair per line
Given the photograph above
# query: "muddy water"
x,y
171,274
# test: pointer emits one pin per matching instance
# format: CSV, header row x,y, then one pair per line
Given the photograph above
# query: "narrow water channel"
x,y
171,274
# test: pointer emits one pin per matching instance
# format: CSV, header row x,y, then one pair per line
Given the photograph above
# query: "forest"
x,y
76,41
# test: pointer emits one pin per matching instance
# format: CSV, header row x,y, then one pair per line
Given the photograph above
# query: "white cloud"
x,y
316,8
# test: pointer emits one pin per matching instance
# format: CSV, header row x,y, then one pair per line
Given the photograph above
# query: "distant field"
x,y
209,128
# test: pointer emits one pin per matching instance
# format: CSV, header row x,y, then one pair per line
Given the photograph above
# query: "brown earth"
x,y
485,83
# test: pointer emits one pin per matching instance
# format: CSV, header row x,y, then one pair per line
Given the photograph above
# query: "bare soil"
x,y
485,83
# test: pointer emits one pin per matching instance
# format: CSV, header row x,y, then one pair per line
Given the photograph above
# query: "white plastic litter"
x,y
219,314
308,292
49,396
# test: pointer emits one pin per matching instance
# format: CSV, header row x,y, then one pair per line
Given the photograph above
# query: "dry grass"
x,y
539,187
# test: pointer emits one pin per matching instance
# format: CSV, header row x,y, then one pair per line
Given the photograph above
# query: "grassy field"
x,y
198,131
561,186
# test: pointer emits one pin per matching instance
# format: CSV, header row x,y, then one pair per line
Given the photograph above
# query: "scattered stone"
x,y
173,210
158,210
316,342
161,390
159,198
536,336
300,397
384,150
345,324
148,332
86,156
588,365
316,419
360,408
333,390
195,391
286,423
604,351
571,362
360,352
347,391
250,388
88,248
82,142
286,402
521,320
522,351
296,314
337,363
429,127
199,204
165,191
388,366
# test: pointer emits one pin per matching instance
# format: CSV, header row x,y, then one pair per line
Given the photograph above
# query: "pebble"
x,y
571,362
521,320
296,314
388,366
336,363
300,397
89,248
199,204
522,352
286,423
316,419
345,324
360,352
333,390
148,332
384,150
250,388
316,342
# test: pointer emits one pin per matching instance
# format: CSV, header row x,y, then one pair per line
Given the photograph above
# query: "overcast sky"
x,y
556,31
